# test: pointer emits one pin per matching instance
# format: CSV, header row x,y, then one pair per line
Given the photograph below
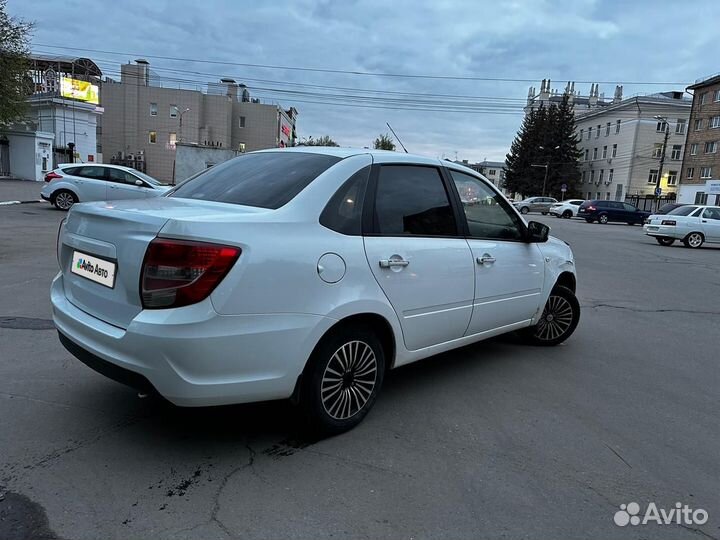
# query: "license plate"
x,y
652,228
97,270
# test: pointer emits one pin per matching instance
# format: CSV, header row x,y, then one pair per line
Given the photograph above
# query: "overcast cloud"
x,y
579,40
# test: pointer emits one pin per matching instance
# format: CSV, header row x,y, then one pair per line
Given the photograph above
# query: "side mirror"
x,y
138,182
537,232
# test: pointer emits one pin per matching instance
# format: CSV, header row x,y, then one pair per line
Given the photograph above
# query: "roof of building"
x,y
705,81
660,98
67,64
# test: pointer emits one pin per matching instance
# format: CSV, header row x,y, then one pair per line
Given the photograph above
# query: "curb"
x,y
8,203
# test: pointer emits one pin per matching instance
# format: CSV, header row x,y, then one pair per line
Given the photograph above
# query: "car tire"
x,y
631,223
603,219
694,240
544,213
63,199
558,321
342,379
665,241
567,214
524,210
589,220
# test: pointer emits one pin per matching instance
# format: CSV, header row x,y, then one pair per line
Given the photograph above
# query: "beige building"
x,y
143,122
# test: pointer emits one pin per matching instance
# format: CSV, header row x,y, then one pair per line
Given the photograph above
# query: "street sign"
x,y
563,187
658,191
712,187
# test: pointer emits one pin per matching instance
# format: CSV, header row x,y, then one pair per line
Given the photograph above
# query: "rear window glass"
x,y
266,180
683,211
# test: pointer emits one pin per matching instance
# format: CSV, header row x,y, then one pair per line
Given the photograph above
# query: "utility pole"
x,y
662,161
546,165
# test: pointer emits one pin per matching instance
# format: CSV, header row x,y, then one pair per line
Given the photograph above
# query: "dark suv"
x,y
606,211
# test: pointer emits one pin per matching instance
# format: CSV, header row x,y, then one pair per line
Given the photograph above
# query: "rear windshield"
x,y
265,180
683,211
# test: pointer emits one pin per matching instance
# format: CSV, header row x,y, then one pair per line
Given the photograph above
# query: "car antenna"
x,y
398,138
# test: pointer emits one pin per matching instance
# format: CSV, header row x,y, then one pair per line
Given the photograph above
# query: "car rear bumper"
x,y
666,231
193,356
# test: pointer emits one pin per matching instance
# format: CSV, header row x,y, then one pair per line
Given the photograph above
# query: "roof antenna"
x,y
398,138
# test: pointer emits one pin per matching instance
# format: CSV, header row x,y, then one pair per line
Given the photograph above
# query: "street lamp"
x,y
180,114
545,166
662,159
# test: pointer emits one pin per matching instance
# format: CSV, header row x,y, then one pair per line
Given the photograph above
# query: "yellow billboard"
x,y
80,90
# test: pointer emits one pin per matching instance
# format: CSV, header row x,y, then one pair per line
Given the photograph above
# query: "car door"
x,y
416,253
509,272
710,221
535,204
122,185
92,183
631,213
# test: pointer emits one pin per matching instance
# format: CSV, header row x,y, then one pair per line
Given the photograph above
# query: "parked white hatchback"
x,y
693,225
566,209
74,182
304,273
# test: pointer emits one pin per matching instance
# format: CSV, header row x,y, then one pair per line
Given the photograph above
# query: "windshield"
x,y
265,180
682,211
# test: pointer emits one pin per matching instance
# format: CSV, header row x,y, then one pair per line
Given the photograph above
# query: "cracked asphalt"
x,y
496,440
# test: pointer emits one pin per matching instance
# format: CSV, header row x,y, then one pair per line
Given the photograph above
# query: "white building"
x,y
622,143
492,170
580,103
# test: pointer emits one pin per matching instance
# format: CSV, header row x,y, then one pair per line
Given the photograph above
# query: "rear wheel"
x,y
694,240
603,219
589,220
524,210
559,318
544,213
342,379
64,199
665,241
567,214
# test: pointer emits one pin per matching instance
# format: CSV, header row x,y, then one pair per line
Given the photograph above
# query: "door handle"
x,y
486,259
388,263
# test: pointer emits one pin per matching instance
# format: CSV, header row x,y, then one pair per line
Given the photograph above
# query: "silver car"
x,y
73,182
535,204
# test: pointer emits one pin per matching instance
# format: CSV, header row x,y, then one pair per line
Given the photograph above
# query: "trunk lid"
x,y
119,232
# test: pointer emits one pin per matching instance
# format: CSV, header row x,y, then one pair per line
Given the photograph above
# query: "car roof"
x,y
108,165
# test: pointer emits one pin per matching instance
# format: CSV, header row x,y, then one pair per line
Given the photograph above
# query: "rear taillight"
x,y
591,208
668,222
179,272
51,176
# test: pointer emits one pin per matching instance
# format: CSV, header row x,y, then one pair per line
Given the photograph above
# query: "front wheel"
x,y
694,240
665,241
603,219
559,318
342,379
567,214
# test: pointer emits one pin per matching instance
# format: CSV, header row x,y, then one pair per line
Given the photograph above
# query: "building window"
x,y
703,98
153,109
706,172
172,140
661,126
700,197
604,152
584,177
672,178
698,124
653,176
715,122
589,133
676,151
589,195
607,196
617,126
491,172
694,149
611,174
152,137
173,111
614,152
716,95
597,133
657,150
587,153
602,173
598,196
241,121
582,132
690,172
680,126
592,176
595,153
607,129
711,147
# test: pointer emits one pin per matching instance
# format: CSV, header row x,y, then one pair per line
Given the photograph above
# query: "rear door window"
x,y
92,172
265,180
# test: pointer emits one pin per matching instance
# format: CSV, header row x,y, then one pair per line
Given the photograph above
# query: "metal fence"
x,y
650,202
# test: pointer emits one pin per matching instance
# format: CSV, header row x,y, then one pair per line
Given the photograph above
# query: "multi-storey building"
x,y
143,120
701,161
621,146
580,103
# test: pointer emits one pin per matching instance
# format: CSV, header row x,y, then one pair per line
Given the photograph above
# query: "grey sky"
x,y
579,40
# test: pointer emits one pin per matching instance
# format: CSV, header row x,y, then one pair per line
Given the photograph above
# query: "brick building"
x,y
701,160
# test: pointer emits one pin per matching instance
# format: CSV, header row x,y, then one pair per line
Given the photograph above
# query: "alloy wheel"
x,y
64,200
348,380
695,240
556,320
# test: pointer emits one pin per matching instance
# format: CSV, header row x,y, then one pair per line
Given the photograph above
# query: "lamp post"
x,y
546,165
662,160
179,138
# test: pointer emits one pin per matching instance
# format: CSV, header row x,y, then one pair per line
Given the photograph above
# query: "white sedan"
x,y
305,274
566,209
692,224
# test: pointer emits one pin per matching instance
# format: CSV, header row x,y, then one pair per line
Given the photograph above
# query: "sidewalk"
x,y
19,190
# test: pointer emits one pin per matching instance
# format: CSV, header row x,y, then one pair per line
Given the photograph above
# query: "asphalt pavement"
x,y
495,440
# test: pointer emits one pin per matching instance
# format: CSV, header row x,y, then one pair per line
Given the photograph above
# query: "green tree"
x,y
546,137
14,64
384,142
325,140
